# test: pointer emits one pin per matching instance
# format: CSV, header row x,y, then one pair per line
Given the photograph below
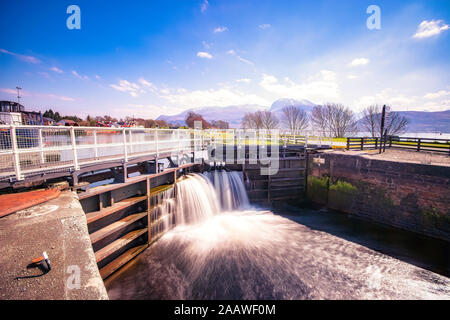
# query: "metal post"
x,y
131,141
385,140
418,145
41,146
362,144
125,151
15,150
95,144
156,141
383,116
74,149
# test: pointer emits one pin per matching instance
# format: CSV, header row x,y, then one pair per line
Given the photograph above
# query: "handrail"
x,y
26,149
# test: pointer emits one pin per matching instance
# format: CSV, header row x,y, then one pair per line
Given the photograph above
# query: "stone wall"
x,y
409,196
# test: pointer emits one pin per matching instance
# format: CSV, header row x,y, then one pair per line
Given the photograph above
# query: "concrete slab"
x,y
10,203
407,156
58,227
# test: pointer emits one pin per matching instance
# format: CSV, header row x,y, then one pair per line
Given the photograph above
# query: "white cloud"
x,y
401,101
220,29
204,6
205,55
29,59
264,26
391,97
131,88
244,80
146,111
57,70
359,62
321,87
147,84
98,77
431,28
221,97
435,95
233,53
77,75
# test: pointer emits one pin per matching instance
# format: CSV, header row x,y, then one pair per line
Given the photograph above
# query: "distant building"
x,y
10,106
14,113
68,123
48,121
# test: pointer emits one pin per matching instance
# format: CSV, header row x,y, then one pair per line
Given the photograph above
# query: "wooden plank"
x,y
95,191
122,260
97,215
116,226
118,244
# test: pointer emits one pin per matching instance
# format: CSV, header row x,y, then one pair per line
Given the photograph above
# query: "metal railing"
x,y
29,150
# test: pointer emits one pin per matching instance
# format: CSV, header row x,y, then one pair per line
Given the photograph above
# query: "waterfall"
x,y
230,189
196,198
201,196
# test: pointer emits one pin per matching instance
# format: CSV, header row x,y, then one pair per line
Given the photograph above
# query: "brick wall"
x,y
413,197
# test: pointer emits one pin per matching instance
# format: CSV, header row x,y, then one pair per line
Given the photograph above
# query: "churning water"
x,y
222,248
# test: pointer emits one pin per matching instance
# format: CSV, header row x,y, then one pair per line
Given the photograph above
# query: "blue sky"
x,y
146,58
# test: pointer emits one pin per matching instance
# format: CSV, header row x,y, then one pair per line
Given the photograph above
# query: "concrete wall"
x,y
413,197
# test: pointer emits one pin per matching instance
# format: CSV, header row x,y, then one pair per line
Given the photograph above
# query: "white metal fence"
x,y
30,149
27,150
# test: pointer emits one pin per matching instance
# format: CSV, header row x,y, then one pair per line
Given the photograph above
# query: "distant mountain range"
x,y
234,114
419,121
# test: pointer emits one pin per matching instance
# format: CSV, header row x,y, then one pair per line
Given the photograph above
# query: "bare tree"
x,y
368,122
260,120
295,118
268,119
335,119
319,119
395,123
250,121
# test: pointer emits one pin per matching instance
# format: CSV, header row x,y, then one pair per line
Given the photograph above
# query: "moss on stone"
x,y
435,217
342,186
318,189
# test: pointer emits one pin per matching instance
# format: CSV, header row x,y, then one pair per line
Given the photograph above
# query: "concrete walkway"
x,y
58,227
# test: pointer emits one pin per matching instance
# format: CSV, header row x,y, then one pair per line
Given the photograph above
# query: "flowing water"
x,y
222,248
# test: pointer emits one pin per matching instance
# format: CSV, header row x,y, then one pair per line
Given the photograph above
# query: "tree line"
x,y
332,119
